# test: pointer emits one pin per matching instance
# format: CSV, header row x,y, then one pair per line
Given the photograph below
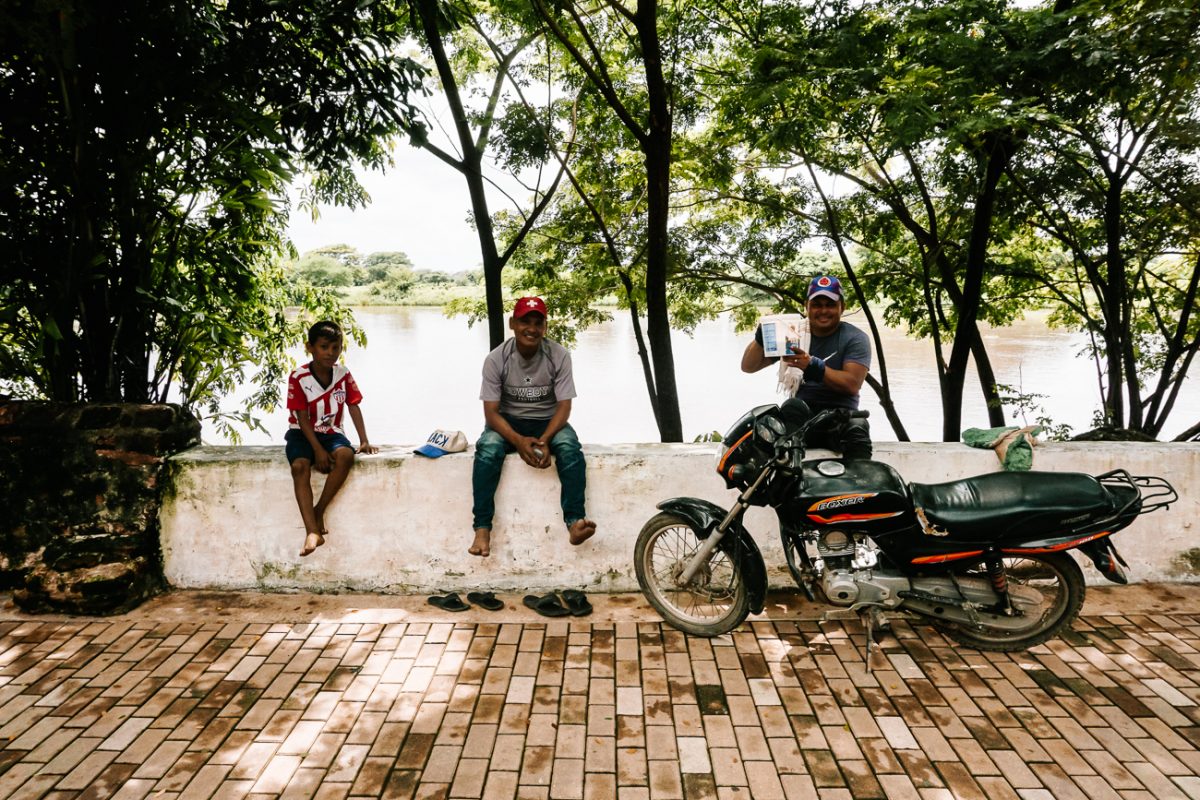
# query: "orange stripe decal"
x,y
1054,548
943,558
724,458
853,517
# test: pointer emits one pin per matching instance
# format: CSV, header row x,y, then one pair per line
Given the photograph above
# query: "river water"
x,y
421,371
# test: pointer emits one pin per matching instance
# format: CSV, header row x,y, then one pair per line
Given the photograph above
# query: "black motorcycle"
x,y
983,559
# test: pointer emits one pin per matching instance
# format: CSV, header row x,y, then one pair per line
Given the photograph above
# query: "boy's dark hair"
x,y
325,329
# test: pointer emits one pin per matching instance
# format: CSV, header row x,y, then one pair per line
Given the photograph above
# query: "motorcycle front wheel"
x,y
715,601
1051,589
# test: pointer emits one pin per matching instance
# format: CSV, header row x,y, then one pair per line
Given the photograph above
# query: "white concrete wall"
x,y
402,523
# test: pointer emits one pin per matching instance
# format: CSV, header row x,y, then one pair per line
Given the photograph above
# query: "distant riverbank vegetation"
x,y
377,279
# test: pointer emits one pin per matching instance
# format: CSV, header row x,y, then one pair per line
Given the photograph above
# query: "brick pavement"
x,y
196,706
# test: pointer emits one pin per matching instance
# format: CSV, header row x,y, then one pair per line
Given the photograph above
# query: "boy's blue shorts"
x,y
297,446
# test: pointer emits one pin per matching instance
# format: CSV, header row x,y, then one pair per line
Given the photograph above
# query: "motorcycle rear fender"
x,y
703,516
1108,561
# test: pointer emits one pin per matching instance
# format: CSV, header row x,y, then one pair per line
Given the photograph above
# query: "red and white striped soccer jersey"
x,y
325,404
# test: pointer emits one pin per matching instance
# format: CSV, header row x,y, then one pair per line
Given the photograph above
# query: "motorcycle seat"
x,y
1014,504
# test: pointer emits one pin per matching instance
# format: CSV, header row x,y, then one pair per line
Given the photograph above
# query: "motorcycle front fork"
x,y
709,545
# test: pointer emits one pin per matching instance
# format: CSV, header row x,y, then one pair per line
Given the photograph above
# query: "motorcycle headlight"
x,y
768,429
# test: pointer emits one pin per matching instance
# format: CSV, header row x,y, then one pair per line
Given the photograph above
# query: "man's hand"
x,y
366,448
533,452
540,446
321,461
799,360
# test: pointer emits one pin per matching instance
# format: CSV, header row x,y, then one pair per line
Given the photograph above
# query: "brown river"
x,y
420,371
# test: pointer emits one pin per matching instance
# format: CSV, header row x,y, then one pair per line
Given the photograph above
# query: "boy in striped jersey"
x,y
318,394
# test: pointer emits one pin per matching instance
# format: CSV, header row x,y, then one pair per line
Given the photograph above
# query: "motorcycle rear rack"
x,y
1153,492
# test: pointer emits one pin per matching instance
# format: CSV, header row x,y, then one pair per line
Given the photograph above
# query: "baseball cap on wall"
x,y
441,442
825,286
529,305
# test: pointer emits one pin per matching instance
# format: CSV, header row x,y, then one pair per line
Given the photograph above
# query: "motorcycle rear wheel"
x,y
1059,580
716,600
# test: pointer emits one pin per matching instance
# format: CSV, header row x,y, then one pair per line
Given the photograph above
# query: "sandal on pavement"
x,y
577,602
448,602
547,605
485,600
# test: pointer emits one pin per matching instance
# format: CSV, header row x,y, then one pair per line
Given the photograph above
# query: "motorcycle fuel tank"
x,y
853,493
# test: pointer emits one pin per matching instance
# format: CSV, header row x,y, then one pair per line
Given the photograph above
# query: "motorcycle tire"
x,y
1056,576
715,602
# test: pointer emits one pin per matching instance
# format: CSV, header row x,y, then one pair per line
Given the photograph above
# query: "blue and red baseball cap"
x,y
529,305
825,286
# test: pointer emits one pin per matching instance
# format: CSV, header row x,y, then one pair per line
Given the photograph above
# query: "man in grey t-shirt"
x,y
527,391
835,366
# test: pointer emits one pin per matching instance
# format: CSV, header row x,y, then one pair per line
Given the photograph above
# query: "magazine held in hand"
x,y
784,334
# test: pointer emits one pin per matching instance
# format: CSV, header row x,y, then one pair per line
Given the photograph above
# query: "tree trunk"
x,y
1000,148
1114,301
471,167
657,152
643,356
987,382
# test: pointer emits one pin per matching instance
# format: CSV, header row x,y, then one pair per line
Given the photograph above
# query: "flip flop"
x,y
449,602
577,602
547,605
485,600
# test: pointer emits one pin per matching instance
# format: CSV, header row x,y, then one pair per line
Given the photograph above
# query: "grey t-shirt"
x,y
847,343
530,389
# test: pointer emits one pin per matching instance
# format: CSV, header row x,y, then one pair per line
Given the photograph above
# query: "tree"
x,y
624,57
471,42
380,264
917,110
1113,181
316,269
142,149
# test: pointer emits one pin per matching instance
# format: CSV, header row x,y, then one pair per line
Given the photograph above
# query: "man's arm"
x,y
848,380
524,444
562,413
754,358
364,444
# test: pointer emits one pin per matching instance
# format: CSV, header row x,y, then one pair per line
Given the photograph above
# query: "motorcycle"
x,y
986,560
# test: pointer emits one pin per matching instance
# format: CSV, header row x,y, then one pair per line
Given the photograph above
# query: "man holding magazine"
x,y
830,373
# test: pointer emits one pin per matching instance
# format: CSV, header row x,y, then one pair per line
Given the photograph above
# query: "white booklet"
x,y
784,334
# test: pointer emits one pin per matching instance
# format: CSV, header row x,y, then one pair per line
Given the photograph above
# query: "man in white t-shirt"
x,y
527,391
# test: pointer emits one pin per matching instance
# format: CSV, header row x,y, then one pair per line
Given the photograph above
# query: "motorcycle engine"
x,y
847,560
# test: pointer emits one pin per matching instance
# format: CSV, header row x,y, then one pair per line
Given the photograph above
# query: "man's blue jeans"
x,y
491,449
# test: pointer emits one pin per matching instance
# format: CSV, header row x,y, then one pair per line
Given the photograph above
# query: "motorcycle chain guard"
x,y
702,517
938,598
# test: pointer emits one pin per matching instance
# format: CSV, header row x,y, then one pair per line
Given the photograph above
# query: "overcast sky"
x,y
420,206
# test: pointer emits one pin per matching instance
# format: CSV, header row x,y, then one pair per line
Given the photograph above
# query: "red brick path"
x,y
592,709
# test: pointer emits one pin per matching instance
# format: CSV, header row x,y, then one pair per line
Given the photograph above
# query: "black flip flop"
x,y
577,602
449,602
485,600
547,605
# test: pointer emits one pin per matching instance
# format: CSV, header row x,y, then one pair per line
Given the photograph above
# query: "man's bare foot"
x,y
312,541
482,546
581,530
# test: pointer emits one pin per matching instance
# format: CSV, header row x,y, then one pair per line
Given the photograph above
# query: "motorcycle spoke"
x,y
711,591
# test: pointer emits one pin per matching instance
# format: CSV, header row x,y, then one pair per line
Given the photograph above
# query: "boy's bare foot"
x,y
581,530
482,546
311,542
319,515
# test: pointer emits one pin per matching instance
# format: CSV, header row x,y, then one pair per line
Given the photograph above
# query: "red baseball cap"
x,y
529,305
